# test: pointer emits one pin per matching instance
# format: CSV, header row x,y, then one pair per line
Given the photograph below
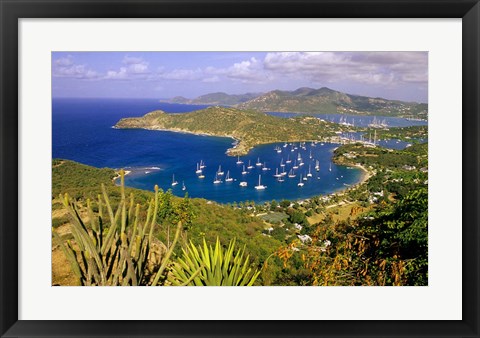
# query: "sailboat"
x,y
228,178
291,173
295,166
283,173
265,166
330,169
174,183
310,156
183,186
288,160
317,166
198,171
202,164
201,176
239,161
243,184
217,180
300,184
260,186
309,171
220,172
258,164
281,163
244,172
277,174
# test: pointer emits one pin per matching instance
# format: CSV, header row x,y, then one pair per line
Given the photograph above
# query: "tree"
x,y
285,204
273,205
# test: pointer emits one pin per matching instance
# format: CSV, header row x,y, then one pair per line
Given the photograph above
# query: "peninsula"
x,y
250,128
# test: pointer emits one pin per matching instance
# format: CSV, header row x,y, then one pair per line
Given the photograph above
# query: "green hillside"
x,y
249,127
325,100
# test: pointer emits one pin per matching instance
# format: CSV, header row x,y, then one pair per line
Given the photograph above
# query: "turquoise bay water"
x,y
82,132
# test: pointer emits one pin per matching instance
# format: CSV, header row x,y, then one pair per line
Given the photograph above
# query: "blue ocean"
x,y
82,132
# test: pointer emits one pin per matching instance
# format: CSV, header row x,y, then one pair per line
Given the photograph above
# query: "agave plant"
x,y
207,266
125,253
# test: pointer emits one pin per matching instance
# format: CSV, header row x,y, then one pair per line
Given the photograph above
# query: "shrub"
x,y
207,266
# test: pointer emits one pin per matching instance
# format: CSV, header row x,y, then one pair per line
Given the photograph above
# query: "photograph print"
x,y
239,168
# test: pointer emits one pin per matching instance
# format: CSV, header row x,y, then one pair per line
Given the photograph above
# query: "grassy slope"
x,y
249,127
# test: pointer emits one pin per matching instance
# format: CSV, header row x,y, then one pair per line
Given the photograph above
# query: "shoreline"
x,y
238,148
366,174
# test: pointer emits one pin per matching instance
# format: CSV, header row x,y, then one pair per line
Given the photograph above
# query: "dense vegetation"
x,y
387,246
251,128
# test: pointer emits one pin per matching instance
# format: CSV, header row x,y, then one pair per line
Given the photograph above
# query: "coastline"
x,y
366,174
239,148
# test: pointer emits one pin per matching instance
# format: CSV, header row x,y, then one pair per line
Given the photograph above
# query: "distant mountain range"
x,y
313,101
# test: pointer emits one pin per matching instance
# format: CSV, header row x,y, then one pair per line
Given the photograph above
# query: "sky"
x,y
161,75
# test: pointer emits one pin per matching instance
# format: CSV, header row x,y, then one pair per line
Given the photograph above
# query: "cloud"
x,y
380,68
134,68
64,62
117,75
66,67
135,65
246,71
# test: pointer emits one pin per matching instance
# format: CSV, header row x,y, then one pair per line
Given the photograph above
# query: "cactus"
x,y
122,253
207,266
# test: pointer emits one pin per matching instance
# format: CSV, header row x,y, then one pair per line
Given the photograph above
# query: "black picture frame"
x,y
12,11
